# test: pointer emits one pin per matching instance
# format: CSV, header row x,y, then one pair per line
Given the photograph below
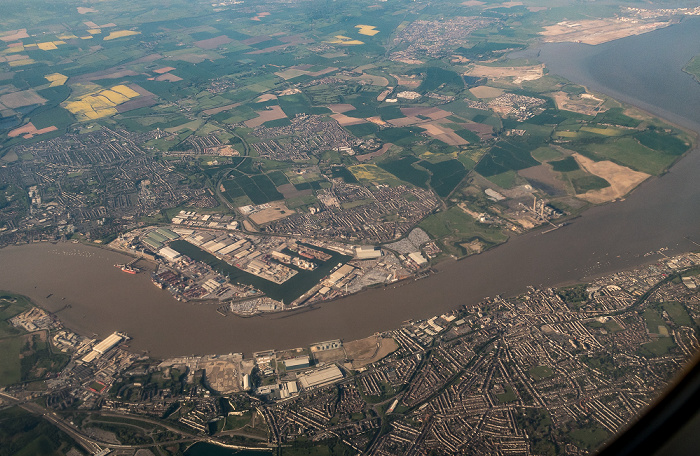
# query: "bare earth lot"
x,y
277,210
340,108
212,111
23,98
343,120
622,179
444,134
274,113
213,43
520,74
545,177
597,31
290,191
584,104
368,350
486,92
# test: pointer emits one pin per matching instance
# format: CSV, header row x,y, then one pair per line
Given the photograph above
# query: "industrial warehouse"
x,y
103,347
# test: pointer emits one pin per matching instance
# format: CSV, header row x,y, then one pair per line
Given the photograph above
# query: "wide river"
x,y
663,213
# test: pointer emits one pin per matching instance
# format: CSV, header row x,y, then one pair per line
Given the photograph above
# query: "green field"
x,y
590,437
678,313
550,117
612,326
540,372
504,180
295,104
508,155
237,422
508,396
468,135
487,49
658,347
456,224
653,320
583,184
629,152
538,425
662,142
343,173
10,305
401,136
615,116
37,359
693,67
565,165
10,367
363,129
435,77
445,175
405,170
390,113
260,188
301,201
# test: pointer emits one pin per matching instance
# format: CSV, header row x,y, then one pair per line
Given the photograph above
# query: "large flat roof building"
x,y
418,258
103,347
109,343
300,362
169,254
340,273
320,377
367,252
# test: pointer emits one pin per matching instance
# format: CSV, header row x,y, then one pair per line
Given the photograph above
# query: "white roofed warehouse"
x,y
169,254
320,377
103,347
109,343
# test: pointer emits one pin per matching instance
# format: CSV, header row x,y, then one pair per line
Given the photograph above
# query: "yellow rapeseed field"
x,y
369,30
56,79
47,46
120,34
370,173
12,50
100,104
22,62
124,90
340,39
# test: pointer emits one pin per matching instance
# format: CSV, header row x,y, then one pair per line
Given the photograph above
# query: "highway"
x,y
96,446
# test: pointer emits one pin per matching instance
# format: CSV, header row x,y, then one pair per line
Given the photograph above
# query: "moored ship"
x,y
128,269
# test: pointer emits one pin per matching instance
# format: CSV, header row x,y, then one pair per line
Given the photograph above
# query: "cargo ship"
x,y
128,269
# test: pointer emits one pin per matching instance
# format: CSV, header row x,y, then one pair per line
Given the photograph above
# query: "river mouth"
x,y
659,218
643,70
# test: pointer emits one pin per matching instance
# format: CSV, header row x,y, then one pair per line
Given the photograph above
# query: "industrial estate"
x,y
204,257
264,156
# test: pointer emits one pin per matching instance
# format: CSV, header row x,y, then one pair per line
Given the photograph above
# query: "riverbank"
x,y
659,218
